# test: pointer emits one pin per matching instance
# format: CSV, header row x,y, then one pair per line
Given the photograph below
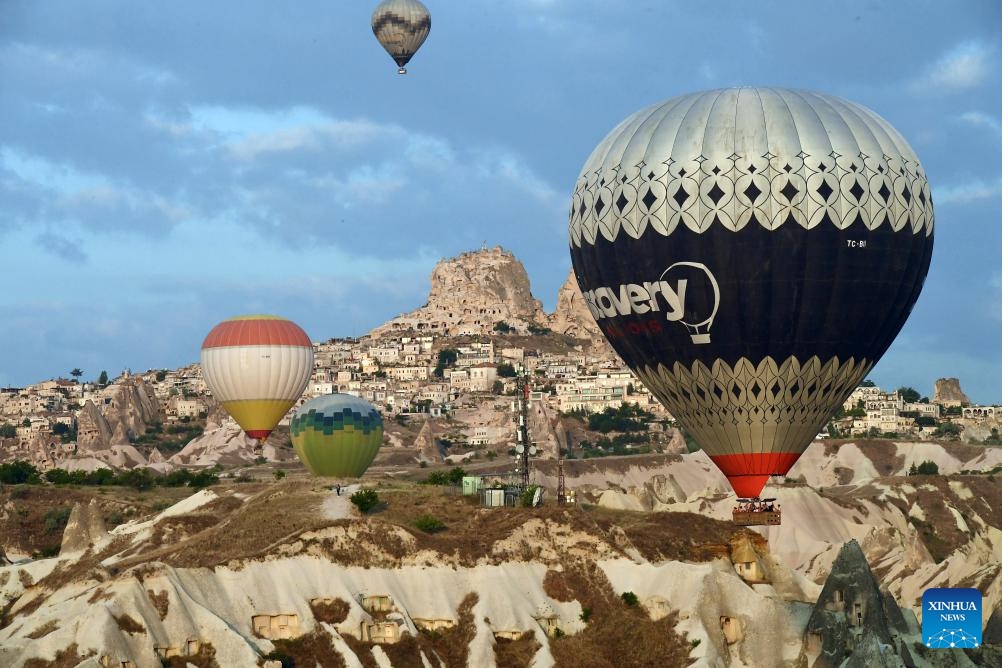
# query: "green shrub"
x,y
526,499
365,500
55,520
429,524
630,599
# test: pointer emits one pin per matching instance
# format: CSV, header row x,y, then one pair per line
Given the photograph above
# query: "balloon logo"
x,y
257,366
337,435
751,253
401,26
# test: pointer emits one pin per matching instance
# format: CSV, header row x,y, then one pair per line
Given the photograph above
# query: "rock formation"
x,y
949,394
472,293
852,612
571,316
426,444
84,529
93,432
128,407
224,442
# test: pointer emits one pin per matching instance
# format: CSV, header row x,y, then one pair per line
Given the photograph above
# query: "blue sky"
x,y
166,165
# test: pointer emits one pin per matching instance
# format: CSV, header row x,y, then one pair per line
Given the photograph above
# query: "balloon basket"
x,y
756,512
401,70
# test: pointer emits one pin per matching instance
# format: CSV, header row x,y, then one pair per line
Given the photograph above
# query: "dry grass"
x,y
617,636
312,649
24,529
67,658
128,624
333,612
160,601
557,586
449,647
670,536
44,630
515,653
206,658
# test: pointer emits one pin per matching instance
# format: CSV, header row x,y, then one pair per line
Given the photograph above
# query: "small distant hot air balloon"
x,y
257,366
751,253
337,435
401,26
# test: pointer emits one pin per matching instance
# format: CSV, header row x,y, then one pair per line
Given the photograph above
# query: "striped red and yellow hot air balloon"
x,y
257,366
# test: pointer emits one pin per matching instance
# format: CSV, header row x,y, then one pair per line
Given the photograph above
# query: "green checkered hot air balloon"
x,y
337,435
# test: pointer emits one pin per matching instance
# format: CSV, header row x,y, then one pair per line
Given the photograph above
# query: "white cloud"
x,y
251,133
67,193
969,192
982,120
964,66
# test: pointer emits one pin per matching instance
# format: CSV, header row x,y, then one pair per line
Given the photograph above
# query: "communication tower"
x,y
523,446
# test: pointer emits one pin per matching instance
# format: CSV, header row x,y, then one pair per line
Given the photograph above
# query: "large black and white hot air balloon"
x,y
401,26
751,253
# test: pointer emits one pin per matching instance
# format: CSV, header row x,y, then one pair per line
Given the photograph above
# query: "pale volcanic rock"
x,y
426,444
226,444
93,432
572,316
128,409
470,294
948,393
85,528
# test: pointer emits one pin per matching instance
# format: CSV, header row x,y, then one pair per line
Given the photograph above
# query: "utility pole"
x,y
561,482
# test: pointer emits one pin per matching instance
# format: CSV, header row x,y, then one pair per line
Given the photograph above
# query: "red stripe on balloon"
x,y
256,332
748,473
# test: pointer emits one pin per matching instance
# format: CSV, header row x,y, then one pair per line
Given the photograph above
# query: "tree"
x,y
161,375
501,327
365,499
103,378
446,358
7,430
19,472
909,395
948,430
506,370
867,383
925,468
76,373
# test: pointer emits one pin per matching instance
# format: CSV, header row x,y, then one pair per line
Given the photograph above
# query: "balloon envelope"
x,y
751,253
401,26
257,366
337,435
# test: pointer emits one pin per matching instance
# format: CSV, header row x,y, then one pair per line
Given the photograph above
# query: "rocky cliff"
x,y
948,393
124,411
472,293
571,316
85,528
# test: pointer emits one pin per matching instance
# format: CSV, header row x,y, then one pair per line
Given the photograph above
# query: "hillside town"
x,y
456,358
430,376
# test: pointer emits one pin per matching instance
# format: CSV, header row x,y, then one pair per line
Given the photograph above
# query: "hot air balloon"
x,y
401,26
257,366
337,435
751,253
